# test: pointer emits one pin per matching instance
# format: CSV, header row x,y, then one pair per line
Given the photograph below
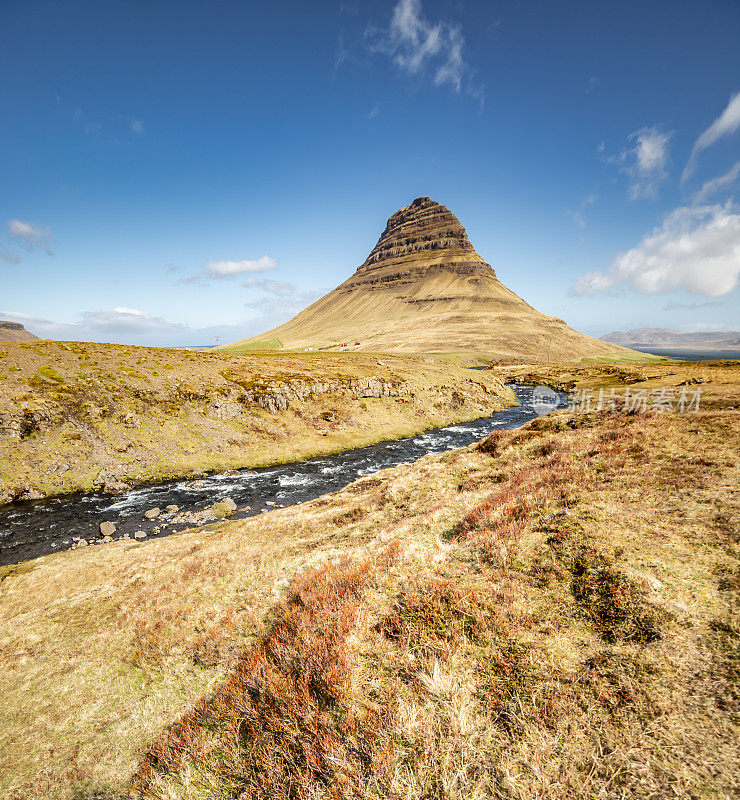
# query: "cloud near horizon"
x,y
277,288
226,269
725,125
132,326
696,248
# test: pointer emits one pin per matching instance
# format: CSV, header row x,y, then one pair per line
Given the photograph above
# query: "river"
x,y
32,529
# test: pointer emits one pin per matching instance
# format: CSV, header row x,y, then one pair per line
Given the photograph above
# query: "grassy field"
x,y
551,614
74,415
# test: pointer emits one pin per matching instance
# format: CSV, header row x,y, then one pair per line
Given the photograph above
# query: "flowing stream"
x,y
32,529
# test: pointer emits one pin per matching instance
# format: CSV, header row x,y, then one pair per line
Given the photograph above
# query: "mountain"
x,y
664,337
14,332
424,288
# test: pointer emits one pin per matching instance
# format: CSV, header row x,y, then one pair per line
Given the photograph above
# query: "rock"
x,y
225,411
115,487
198,473
81,543
106,540
107,529
224,508
140,535
35,495
153,513
270,503
172,509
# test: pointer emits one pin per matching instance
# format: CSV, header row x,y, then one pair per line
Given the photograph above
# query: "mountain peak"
x,y
421,236
425,288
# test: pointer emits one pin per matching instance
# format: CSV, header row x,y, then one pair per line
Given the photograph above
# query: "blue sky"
x,y
172,172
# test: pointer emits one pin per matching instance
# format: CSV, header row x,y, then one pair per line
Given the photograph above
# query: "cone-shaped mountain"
x,y
423,288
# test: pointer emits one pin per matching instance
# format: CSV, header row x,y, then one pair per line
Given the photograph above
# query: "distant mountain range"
x,y
664,337
424,288
14,332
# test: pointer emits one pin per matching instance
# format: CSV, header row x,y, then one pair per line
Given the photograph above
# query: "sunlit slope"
x,y
424,288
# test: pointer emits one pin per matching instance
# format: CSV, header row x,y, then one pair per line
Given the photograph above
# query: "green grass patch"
x,y
50,374
260,344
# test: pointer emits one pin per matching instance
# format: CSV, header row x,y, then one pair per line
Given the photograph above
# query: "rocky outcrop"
x,y
15,332
424,288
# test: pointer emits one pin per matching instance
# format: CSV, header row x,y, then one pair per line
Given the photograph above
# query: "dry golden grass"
x,y
556,621
70,409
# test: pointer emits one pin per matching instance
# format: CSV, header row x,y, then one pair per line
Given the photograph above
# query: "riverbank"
x,y
80,416
547,615
29,530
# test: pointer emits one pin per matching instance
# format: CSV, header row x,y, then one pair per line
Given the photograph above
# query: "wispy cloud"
x,y
132,326
226,269
693,306
277,288
137,126
577,215
711,187
416,44
645,162
696,248
592,84
725,125
9,256
30,236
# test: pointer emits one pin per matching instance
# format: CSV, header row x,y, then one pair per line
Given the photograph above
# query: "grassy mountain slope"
x,y
424,288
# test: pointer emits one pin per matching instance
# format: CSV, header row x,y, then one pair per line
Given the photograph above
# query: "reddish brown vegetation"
x,y
283,724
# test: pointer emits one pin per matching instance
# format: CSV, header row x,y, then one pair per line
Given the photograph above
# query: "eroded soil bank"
x,y
32,529
79,416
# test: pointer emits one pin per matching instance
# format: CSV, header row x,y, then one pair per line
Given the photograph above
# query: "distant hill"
x,y
664,337
14,332
424,288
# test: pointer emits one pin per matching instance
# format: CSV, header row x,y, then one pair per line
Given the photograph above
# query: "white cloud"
x,y
9,256
577,216
414,43
705,327
646,162
696,248
692,306
273,287
131,326
30,236
593,83
717,184
137,126
725,125
225,269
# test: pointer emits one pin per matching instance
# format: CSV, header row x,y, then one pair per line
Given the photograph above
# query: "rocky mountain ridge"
x,y
15,332
671,338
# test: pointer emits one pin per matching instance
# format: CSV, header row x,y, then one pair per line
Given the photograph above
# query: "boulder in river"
x,y
107,529
140,535
153,513
173,509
